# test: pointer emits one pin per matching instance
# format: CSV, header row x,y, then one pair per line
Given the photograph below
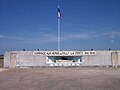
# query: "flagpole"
x,y
59,15
58,33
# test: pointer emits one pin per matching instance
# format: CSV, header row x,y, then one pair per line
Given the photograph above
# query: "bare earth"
x,y
60,79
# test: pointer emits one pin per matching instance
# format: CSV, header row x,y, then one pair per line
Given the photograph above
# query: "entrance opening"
x,y
68,60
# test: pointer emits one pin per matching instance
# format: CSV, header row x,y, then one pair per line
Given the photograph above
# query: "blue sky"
x,y
85,24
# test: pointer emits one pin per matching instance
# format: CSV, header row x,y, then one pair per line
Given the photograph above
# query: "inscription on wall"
x,y
64,53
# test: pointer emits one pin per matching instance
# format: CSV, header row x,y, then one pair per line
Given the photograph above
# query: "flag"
x,y
59,12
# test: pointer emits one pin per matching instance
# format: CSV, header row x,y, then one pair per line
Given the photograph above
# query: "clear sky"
x,y
85,24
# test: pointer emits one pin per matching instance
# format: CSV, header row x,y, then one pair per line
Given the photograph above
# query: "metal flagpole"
x,y
59,15
58,34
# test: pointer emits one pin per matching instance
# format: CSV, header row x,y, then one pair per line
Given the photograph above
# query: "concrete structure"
x,y
1,61
15,59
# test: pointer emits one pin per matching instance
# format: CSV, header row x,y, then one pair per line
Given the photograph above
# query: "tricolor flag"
x,y
59,12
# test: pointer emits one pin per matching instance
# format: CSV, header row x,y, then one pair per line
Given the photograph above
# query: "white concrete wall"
x,y
7,59
118,57
101,58
26,58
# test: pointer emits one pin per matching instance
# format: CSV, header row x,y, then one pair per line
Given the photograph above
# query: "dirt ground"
x,y
60,79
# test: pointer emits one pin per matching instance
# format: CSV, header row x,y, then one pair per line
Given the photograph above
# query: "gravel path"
x,y
60,79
